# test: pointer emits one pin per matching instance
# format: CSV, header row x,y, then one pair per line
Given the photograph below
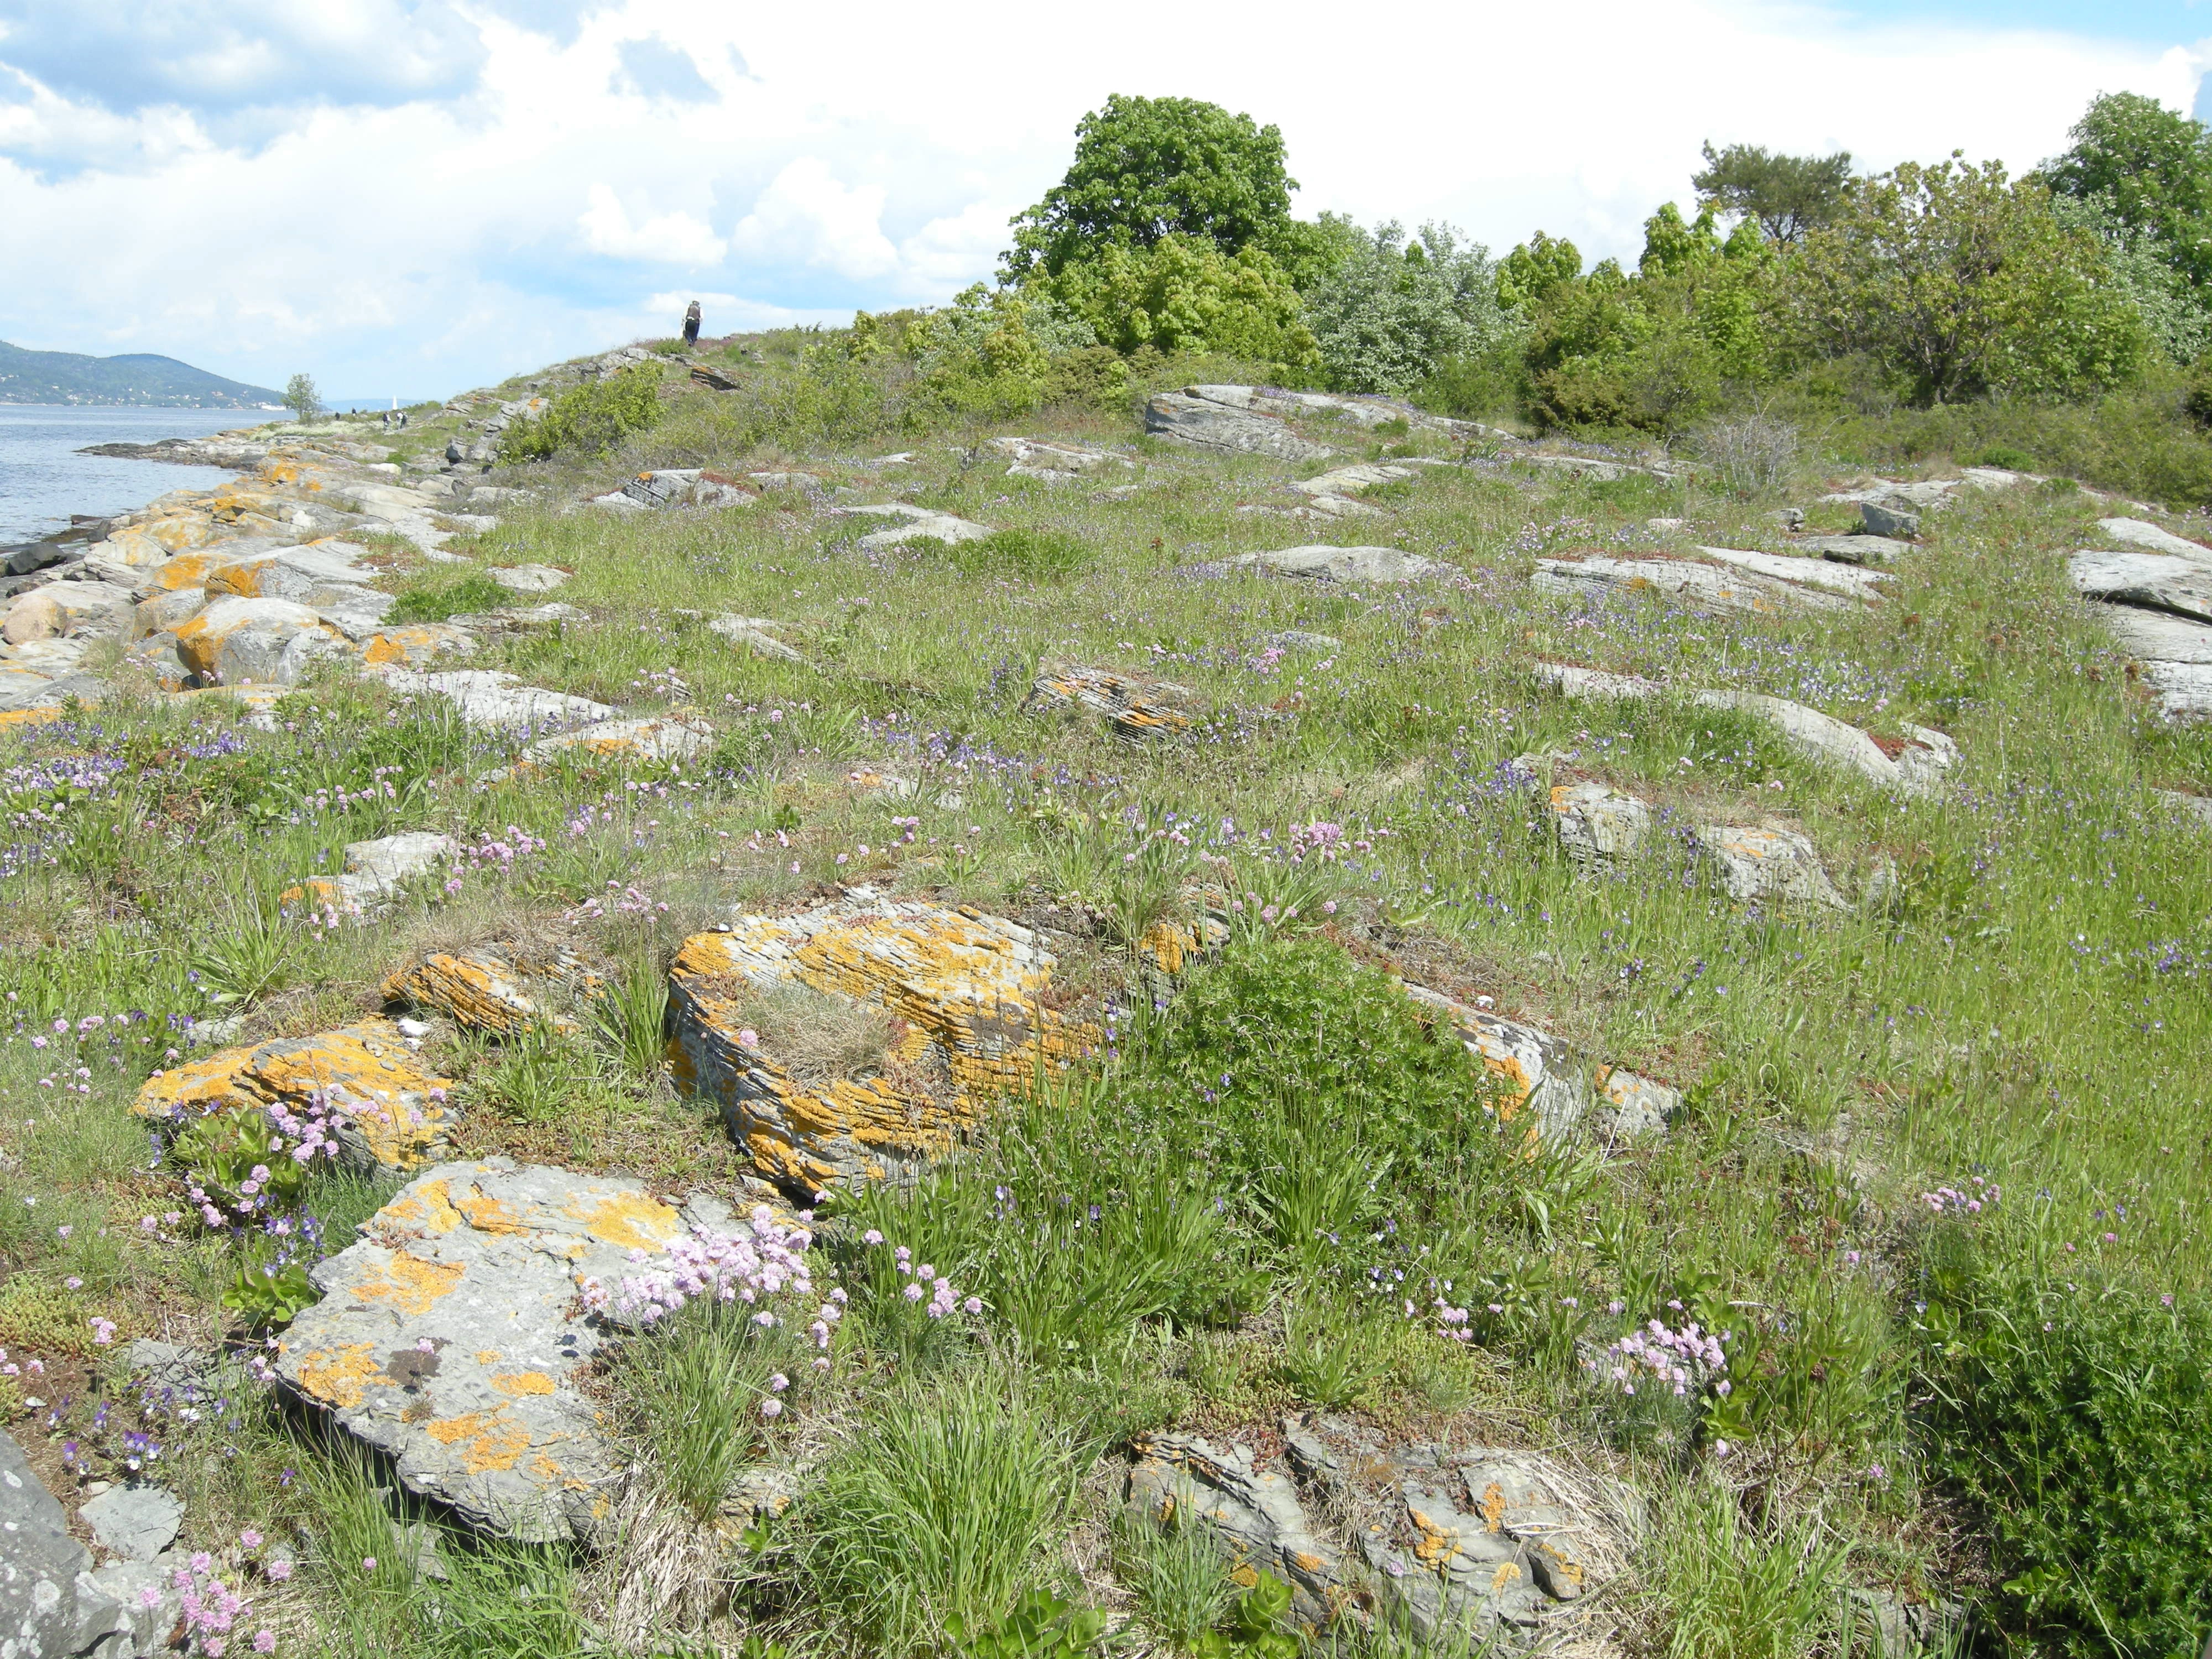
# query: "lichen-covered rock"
x,y
919,524
495,700
1752,862
454,1338
1053,462
968,994
266,642
1570,679
1913,765
1545,1085
755,634
1597,823
489,987
2148,582
374,871
527,578
390,1113
2149,538
653,738
1859,549
414,645
1253,1514
1135,705
69,611
1837,578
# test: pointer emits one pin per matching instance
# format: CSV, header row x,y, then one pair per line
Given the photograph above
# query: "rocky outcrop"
x,y
1713,586
968,998
2158,602
1053,462
2148,582
50,1604
649,739
1766,862
1206,423
917,524
1545,1086
2137,535
499,701
497,989
375,870
387,1112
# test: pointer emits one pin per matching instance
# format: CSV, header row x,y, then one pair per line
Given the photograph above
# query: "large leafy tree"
x,y
1964,282
1146,169
2150,170
1788,196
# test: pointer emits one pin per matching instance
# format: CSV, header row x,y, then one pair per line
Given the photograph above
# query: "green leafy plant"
x,y
1728,1592
264,1293
1177,1574
629,1016
432,600
219,1153
1034,554
1258,1625
1042,1626
587,418
253,955
1326,1361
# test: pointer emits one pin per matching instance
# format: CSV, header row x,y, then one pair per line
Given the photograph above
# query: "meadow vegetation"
x,y
1940,1171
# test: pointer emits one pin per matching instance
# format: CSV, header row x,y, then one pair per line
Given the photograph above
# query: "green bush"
x,y
1031,553
1182,294
1391,311
588,418
2072,1416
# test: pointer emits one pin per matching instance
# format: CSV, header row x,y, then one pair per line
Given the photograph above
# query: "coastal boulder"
x,y
1202,423
497,989
51,1607
234,640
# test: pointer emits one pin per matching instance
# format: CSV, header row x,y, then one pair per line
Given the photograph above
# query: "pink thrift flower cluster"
x,y
1950,1200
211,1609
924,1280
1659,1355
765,1264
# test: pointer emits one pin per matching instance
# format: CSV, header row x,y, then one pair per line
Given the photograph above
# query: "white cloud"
x,y
672,239
806,218
391,233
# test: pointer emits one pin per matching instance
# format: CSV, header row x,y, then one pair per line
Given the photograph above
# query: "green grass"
x,y
435,598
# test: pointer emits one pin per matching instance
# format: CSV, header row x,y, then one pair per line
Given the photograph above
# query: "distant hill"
x,y
137,377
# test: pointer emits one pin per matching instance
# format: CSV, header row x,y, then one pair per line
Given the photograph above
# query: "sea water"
x,y
43,479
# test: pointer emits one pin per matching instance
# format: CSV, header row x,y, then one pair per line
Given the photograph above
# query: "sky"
x,y
414,197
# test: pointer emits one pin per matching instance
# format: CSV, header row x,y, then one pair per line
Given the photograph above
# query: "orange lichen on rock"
x,y
338,1376
486,988
1135,705
968,990
390,1111
409,1284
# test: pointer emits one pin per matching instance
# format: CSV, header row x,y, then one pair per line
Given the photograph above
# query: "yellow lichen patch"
x,y
516,1384
489,1215
428,1208
201,1085
488,1440
1506,1573
476,990
189,569
410,1284
486,1356
338,1376
637,1221
1244,1575
315,890
1438,1546
1493,1507
412,644
29,716
1563,1570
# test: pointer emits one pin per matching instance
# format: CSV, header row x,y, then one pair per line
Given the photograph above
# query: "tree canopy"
x,y
1146,169
1786,195
2149,169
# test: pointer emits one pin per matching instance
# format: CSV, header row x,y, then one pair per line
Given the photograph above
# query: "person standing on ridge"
x,y
691,324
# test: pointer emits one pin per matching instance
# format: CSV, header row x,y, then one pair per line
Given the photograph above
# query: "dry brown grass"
x,y
815,1037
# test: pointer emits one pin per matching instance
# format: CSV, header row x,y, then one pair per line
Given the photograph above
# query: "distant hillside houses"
x,y
139,378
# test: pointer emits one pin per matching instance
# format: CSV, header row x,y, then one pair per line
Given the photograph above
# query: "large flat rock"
x,y
457,1335
1344,564
499,701
1914,766
1204,422
1710,587
1809,572
50,1606
2155,636
1135,707
2148,582
2139,535
1549,1091
968,995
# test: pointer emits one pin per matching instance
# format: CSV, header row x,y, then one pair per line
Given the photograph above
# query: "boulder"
x,y
1766,862
494,701
1709,586
1205,423
457,1337
50,1605
1574,681
2196,807
317,575
496,988
1054,463
1597,823
234,640
527,578
650,738
2148,582
1344,564
136,1520
1543,1081
161,613
1836,578
69,611
390,1114
1136,706
376,870
1586,466
2135,534
1860,550
1298,639
919,524
1350,480
969,995
1889,520
519,618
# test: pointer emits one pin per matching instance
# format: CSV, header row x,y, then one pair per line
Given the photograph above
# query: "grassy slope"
x,y
2009,1017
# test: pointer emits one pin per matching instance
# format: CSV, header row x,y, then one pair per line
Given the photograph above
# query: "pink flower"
x,y
369,1563
249,1540
280,1570
264,1641
771,1409
913,1292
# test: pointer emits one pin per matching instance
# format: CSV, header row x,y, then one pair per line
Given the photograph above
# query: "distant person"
x,y
691,324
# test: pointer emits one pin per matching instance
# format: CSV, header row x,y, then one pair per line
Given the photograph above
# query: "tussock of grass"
x,y
814,1037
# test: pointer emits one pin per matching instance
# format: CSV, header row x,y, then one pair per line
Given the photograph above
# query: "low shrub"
x,y
434,600
2073,1415
1028,553
587,418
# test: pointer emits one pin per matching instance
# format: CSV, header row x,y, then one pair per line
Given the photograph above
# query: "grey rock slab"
x,y
1587,466
38,692
1544,1079
1814,572
2184,690
1754,862
2149,538
1042,458
1856,550
1573,680
527,578
2148,582
1205,423
2155,636
389,862
1350,480
1297,639
1716,588
648,739
493,699
754,634
455,1337
1916,769
2198,807
137,1521
150,1601
1345,564
50,1605
517,618
1255,1515
925,525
